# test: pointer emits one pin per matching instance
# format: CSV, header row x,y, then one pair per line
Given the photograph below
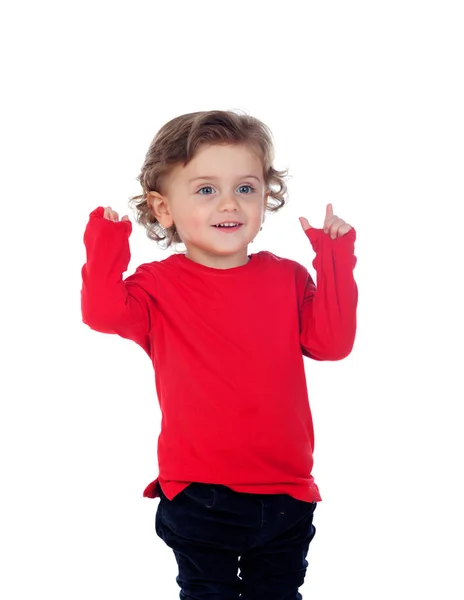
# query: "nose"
x,y
228,201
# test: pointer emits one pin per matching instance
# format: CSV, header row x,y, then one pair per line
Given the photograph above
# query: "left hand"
x,y
333,225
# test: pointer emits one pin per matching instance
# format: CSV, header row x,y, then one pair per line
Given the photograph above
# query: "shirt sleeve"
x,y
328,311
110,304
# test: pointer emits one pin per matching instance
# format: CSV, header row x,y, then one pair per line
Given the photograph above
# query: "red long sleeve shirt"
x,y
227,346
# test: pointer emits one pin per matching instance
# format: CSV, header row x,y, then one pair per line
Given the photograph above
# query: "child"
x,y
226,332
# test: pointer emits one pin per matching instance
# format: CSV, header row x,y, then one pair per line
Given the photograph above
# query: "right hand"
x,y
112,215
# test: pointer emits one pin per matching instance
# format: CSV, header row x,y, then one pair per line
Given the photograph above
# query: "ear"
x,y
159,208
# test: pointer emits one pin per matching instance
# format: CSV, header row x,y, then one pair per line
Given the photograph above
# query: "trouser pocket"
x,y
201,493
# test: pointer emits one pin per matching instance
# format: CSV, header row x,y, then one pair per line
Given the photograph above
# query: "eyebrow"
x,y
211,177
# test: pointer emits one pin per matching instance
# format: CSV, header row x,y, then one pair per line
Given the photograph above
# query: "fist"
x,y
112,215
333,225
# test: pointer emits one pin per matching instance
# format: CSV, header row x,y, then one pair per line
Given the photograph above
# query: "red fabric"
x,y
227,348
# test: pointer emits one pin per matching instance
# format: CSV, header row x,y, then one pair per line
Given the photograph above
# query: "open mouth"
x,y
228,228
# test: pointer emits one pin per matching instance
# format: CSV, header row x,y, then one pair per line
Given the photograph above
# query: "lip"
x,y
227,229
228,221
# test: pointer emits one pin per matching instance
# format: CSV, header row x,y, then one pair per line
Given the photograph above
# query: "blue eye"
x,y
252,189
206,187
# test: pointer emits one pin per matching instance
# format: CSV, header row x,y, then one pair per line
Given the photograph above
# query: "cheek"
x,y
191,219
257,213
196,218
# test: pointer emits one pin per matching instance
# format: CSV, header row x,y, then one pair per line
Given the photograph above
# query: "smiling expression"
x,y
221,184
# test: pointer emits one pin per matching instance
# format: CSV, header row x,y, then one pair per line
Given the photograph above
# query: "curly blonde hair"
x,y
178,141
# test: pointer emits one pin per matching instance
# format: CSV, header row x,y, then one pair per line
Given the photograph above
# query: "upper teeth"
x,y
227,224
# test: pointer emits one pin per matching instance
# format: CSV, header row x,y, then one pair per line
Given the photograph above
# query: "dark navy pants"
x,y
216,532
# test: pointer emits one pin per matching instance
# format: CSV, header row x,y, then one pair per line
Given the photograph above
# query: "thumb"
x,y
125,218
305,223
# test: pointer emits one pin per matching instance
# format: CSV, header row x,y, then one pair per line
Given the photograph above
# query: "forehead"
x,y
223,160
220,153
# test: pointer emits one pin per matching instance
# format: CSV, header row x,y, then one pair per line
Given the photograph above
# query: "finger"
x,y
339,228
333,229
304,223
329,221
329,212
344,229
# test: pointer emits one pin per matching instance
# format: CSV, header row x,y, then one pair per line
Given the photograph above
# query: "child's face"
x,y
221,183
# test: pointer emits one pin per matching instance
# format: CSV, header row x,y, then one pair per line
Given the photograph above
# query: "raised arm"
x,y
110,304
328,310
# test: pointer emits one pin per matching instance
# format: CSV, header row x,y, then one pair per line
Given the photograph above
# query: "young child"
x,y
226,332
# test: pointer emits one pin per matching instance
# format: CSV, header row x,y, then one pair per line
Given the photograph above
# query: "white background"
x,y
365,100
